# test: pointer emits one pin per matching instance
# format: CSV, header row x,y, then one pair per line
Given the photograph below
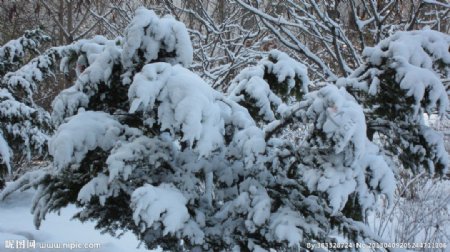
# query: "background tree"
x,y
24,127
399,83
332,42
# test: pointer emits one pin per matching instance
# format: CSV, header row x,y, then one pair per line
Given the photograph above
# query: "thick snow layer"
x,y
11,109
422,84
259,90
340,118
14,50
356,164
186,104
287,69
16,223
98,186
419,48
152,35
147,34
26,77
31,74
435,140
126,156
250,142
67,103
260,206
101,62
82,133
415,63
5,153
285,225
416,56
99,71
21,122
250,82
162,203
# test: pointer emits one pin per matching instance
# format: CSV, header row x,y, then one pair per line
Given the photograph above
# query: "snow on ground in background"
x,y
16,223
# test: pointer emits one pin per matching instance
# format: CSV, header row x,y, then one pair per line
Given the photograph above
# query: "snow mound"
x,y
285,225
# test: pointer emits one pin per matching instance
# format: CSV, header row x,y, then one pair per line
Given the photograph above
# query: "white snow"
x,y
125,156
19,122
250,142
14,50
176,189
419,82
261,203
250,82
357,164
151,34
287,69
101,62
285,225
98,186
340,117
163,203
418,61
16,223
5,153
419,48
435,139
67,103
27,76
186,104
82,133
413,55
99,70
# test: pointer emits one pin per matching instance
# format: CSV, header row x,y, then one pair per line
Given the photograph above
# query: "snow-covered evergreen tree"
x,y
399,82
22,128
26,127
13,53
145,145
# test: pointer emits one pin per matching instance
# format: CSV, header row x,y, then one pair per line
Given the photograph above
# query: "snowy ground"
x,y
16,223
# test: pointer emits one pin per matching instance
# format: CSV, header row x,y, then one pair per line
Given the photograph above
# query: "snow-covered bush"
x,y
399,82
145,145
